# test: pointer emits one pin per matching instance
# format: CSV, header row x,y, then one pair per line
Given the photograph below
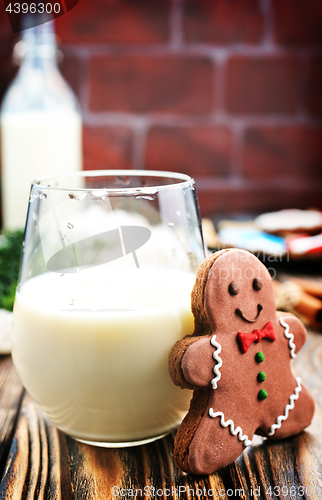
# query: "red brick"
x,y
142,84
314,95
278,152
232,199
297,21
192,150
71,71
263,85
116,21
223,21
6,34
7,73
7,41
107,147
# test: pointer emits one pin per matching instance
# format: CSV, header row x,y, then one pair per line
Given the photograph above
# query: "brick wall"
x,y
228,91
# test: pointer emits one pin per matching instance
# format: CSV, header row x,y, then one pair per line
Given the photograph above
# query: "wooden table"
x,y
39,462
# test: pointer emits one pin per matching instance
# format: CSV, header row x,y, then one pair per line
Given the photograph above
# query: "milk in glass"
x,y
98,369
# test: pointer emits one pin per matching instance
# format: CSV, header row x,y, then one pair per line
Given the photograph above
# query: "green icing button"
x,y
262,394
261,377
259,357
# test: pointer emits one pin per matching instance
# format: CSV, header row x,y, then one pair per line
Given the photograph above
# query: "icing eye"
x,y
257,284
233,288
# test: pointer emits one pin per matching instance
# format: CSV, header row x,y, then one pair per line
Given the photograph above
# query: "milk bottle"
x,y
40,124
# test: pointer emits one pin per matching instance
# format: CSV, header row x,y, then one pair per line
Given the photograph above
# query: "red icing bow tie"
x,y
246,339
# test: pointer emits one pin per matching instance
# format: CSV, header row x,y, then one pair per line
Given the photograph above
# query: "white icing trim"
x,y
288,407
289,336
233,431
214,381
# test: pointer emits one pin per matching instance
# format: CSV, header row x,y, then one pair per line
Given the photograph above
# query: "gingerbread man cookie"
x,y
238,363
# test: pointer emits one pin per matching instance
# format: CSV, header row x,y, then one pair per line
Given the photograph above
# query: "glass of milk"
x,y
109,261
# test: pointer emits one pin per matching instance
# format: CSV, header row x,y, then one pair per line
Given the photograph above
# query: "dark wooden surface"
x,y
39,462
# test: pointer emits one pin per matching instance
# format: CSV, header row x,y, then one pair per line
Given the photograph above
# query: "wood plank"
x,y
36,466
309,457
44,463
145,471
11,392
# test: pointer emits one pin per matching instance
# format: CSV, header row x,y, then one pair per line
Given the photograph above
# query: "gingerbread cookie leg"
x,y
198,407
217,442
296,416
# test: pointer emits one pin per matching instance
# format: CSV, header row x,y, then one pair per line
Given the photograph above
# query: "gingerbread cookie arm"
x,y
294,331
175,359
201,362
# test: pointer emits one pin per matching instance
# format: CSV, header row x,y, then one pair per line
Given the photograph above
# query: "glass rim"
x,y
184,180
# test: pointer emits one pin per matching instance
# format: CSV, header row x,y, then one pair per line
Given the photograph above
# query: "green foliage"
x,y
10,255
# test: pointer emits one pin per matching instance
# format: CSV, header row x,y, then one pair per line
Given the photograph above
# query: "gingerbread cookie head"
x,y
238,363
238,295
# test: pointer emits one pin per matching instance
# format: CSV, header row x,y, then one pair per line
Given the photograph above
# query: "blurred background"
x,y
227,91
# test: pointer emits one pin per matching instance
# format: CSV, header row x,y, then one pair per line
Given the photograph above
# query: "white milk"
x,y
103,375
34,144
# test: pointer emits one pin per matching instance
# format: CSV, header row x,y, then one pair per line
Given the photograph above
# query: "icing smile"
x,y
239,313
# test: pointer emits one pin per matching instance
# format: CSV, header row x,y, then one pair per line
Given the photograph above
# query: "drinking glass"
x,y
109,261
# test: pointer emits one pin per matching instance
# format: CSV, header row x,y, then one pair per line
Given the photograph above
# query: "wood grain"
x,y
309,451
43,463
11,392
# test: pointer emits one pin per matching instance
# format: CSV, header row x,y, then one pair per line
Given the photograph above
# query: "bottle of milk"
x,y
41,126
